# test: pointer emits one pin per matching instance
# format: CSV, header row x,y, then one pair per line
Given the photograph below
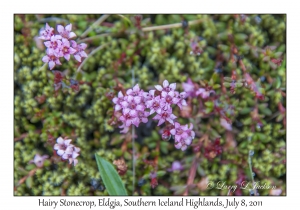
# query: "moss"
x,y
153,56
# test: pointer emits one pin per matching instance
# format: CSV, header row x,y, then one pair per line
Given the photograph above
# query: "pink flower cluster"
x,y
192,91
67,150
137,105
60,45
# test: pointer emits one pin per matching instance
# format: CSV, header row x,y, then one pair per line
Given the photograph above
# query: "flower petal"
x,y
165,83
72,35
60,28
173,86
51,65
158,87
69,27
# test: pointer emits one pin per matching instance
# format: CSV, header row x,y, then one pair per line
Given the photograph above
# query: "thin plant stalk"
x,y
169,26
251,172
97,22
90,55
133,142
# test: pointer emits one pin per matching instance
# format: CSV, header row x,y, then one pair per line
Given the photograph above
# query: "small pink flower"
x,y
54,45
225,124
52,60
133,103
183,135
149,96
38,160
166,87
204,93
79,50
189,88
169,97
181,99
118,100
125,128
135,91
71,154
62,145
46,33
66,32
155,104
164,115
176,166
141,117
66,50
127,117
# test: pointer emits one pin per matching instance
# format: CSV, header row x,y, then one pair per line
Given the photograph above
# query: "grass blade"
x,y
110,177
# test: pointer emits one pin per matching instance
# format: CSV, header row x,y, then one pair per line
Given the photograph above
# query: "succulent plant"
x,y
234,65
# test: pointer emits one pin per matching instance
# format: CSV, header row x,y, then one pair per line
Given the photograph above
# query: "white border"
x,y
8,8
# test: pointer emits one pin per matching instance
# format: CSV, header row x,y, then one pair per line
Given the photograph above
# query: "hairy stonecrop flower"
x,y
183,135
137,105
61,45
67,150
38,160
79,50
176,166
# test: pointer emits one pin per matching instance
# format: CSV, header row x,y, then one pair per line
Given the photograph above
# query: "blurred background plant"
x,y
240,59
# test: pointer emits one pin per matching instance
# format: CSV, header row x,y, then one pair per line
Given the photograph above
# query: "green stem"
x,y
251,172
97,22
94,37
174,25
90,55
133,142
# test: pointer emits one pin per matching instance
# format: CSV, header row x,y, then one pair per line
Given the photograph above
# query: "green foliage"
x,y
153,56
110,177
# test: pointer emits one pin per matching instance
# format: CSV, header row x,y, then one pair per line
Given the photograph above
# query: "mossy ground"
x,y
153,56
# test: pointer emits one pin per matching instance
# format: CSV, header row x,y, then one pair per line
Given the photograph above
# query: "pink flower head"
x,y
196,50
125,128
183,135
38,160
52,60
164,115
54,45
71,154
79,50
46,33
66,32
62,145
189,88
141,117
127,117
66,50
149,96
204,93
170,97
176,166
135,91
155,104
225,124
181,99
133,103
118,100
166,87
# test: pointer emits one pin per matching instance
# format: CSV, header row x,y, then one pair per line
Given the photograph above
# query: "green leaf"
x,y
127,20
161,173
209,104
110,177
278,82
216,86
227,84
